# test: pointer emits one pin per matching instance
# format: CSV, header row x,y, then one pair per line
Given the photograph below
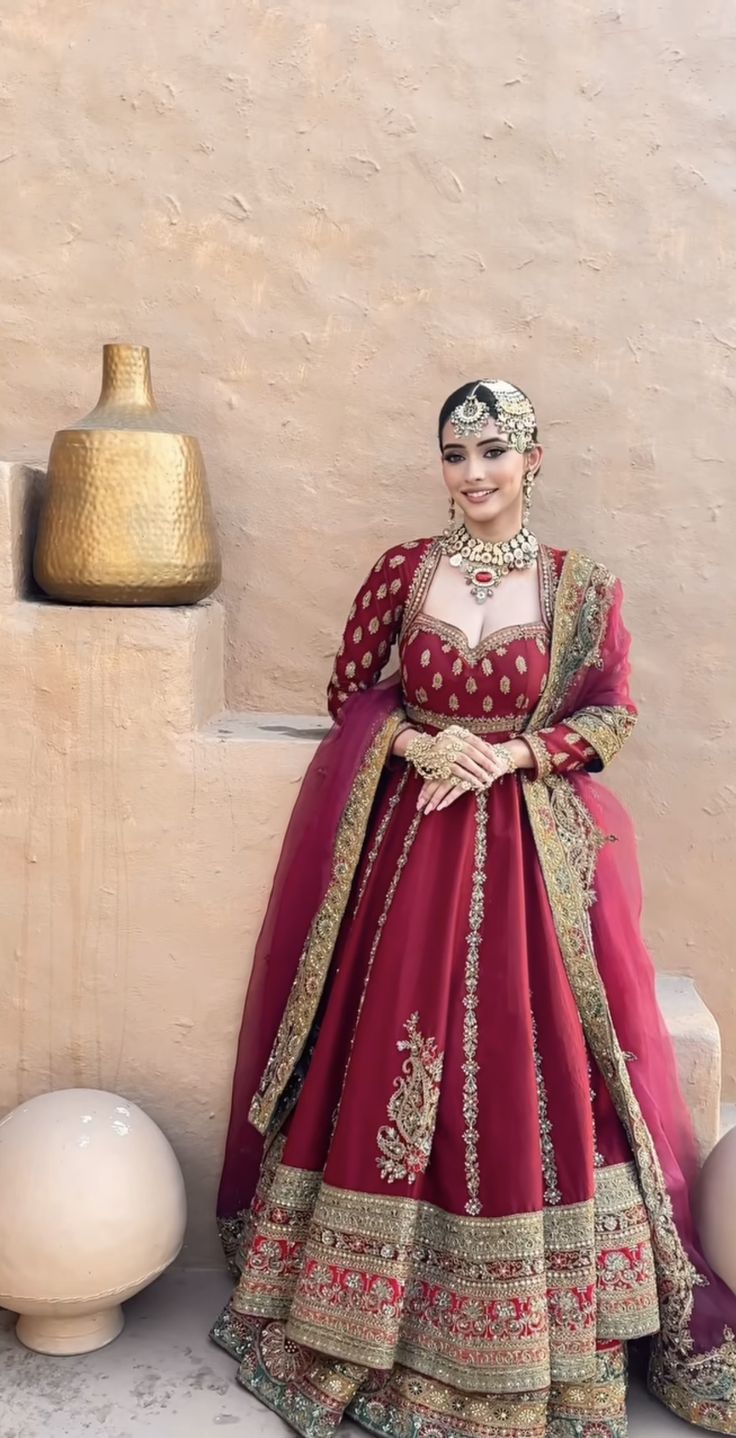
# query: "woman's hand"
x,y
440,793
478,765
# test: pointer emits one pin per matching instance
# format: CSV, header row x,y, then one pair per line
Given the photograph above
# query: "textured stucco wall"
x,y
321,217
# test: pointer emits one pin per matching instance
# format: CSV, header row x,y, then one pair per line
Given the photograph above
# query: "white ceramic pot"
x,y
714,1207
92,1209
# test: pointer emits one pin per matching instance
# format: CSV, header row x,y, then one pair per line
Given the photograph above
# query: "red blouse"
x,y
379,617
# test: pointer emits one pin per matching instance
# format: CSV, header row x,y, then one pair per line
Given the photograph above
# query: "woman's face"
x,y
485,476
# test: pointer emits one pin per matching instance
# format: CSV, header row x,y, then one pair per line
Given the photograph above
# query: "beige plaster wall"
x,y
139,828
321,217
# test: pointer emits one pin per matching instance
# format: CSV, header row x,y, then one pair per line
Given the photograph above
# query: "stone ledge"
x,y
159,666
256,726
697,1043
20,497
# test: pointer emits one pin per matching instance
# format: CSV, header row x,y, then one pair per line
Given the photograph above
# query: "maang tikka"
x,y
515,415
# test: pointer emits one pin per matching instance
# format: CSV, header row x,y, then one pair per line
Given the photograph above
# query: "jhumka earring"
x,y
452,511
528,491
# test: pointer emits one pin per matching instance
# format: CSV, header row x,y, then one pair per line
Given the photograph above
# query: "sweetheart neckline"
x,y
493,640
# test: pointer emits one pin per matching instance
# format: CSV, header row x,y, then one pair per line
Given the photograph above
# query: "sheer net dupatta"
x,y
587,852
320,852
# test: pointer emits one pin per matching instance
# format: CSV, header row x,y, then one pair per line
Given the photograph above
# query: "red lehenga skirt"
x,y
448,1239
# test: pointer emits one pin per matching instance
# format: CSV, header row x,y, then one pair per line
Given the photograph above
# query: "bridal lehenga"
x,y
457,1172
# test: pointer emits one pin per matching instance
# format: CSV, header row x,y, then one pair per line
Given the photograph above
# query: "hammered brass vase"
x,y
126,517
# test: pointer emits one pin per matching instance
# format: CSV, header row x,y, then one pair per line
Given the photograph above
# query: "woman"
x,y
456,1179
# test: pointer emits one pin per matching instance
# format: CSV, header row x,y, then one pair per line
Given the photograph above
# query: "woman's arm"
x,y
589,740
370,631
591,737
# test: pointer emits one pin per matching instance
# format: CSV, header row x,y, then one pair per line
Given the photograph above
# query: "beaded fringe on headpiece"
x,y
514,413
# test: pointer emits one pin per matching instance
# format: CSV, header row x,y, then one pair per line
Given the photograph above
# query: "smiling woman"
x,y
457,1171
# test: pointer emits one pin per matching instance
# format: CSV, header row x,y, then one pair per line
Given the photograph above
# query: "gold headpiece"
x,y
515,416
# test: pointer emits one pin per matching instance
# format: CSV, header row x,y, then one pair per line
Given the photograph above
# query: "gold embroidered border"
x,y
512,724
552,1193
390,1405
578,833
378,1279
699,1387
309,1391
541,755
306,989
408,843
676,1275
382,829
489,644
312,1392
549,580
597,1408
583,602
418,587
605,728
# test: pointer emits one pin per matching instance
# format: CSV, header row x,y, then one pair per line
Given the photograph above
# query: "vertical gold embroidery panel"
x,y
470,1005
381,834
411,834
303,1000
598,1158
552,1193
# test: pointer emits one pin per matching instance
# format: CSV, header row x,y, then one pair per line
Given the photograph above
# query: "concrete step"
x,y
697,1044
728,1117
164,1377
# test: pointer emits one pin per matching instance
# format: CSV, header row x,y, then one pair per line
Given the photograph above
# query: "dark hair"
x,y
461,394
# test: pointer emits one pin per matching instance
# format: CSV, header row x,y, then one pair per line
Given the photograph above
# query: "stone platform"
x,y
164,1379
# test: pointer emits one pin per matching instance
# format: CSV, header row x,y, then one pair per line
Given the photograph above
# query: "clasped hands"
x,y
456,761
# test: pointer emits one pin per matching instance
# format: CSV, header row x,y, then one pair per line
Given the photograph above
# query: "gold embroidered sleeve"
x,y
588,740
604,729
541,756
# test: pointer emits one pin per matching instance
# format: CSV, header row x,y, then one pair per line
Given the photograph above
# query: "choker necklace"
x,y
485,563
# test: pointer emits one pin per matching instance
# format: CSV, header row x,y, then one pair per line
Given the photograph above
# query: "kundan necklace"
x,y
485,563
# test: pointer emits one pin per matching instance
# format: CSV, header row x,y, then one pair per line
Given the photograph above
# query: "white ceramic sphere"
x,y
714,1205
92,1209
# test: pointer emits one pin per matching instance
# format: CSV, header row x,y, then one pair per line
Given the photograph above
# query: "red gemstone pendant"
x,y
484,576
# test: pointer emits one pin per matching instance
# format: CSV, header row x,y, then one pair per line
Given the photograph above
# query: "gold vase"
x,y
126,517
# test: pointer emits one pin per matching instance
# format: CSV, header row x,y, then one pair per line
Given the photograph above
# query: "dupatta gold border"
x,y
700,1387
303,1001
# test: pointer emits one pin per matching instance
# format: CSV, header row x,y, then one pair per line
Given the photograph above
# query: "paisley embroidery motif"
x,y
406,1142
